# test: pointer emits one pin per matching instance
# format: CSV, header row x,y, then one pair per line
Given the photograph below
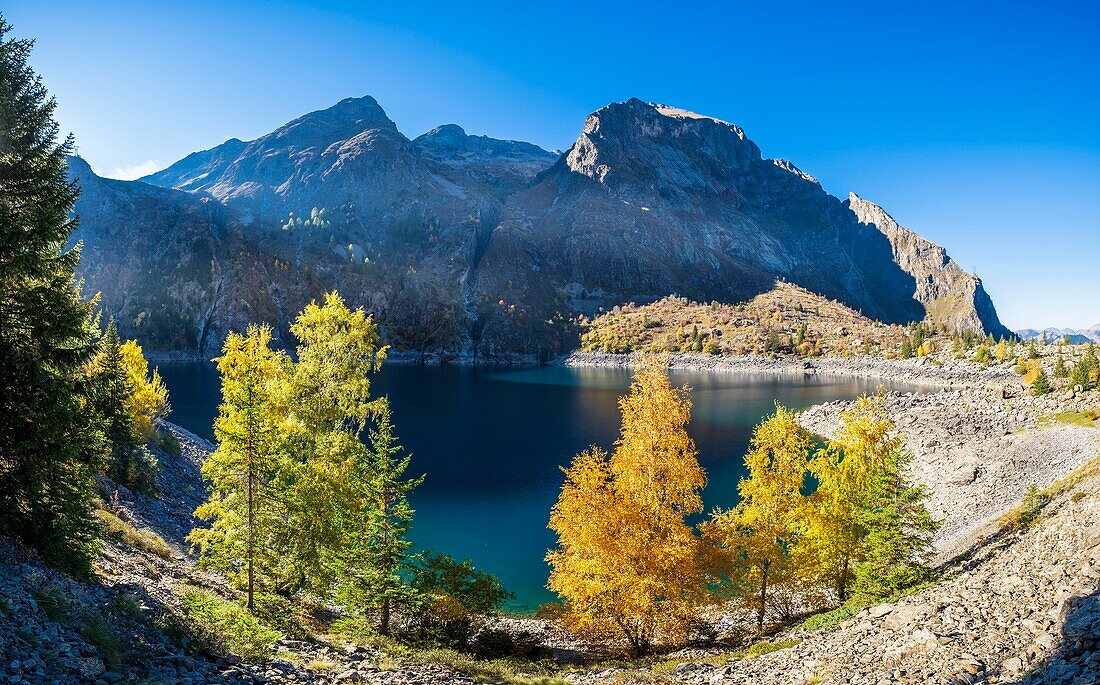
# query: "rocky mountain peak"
x,y
660,146
951,296
344,120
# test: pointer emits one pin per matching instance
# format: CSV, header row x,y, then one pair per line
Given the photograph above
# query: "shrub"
x,y
145,540
1041,384
97,631
220,626
170,444
983,356
496,643
474,590
828,619
280,613
550,611
141,470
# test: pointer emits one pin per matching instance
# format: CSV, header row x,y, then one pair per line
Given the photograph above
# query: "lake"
x,y
492,442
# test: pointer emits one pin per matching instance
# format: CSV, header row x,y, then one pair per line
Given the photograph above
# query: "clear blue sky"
x,y
977,126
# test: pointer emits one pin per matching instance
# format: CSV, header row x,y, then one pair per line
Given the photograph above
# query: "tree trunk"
x,y
842,587
384,627
251,553
760,610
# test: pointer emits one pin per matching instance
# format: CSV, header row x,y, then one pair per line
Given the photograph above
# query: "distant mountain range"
x,y
1085,335
469,244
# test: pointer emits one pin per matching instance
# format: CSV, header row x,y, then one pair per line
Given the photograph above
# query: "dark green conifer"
x,y
49,450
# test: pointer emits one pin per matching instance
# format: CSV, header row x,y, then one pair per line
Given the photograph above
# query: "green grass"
x,y
145,540
1087,418
506,671
221,626
827,620
51,602
109,645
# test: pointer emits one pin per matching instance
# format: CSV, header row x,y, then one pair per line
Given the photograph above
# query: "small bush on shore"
x,y
220,626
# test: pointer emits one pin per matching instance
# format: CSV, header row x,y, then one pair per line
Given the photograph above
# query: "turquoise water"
x,y
492,442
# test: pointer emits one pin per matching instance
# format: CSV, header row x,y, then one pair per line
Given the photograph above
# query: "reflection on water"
x,y
492,443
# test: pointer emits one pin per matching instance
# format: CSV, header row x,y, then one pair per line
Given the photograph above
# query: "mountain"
x,y
1084,335
651,200
465,243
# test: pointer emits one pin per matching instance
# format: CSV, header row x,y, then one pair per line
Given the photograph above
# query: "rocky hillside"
x,y
786,319
471,245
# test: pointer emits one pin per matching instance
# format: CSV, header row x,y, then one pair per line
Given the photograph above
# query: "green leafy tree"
x,y
1060,370
49,449
244,505
869,526
328,407
375,572
983,355
1041,385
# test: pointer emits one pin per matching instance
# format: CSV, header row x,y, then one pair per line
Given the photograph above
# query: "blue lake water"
x,y
492,442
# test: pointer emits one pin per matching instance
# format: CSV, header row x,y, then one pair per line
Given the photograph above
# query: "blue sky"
x,y
975,126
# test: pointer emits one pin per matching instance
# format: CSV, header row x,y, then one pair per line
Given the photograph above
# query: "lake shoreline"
x,y
920,372
923,372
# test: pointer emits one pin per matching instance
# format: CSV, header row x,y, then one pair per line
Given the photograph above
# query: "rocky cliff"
x,y
470,244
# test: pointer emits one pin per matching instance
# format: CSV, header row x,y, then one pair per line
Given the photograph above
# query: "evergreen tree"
x,y
147,400
1041,384
49,449
109,389
245,503
376,565
982,355
1060,370
113,392
844,471
898,531
328,407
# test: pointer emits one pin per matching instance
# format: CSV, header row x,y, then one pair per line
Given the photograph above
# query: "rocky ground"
x,y
978,451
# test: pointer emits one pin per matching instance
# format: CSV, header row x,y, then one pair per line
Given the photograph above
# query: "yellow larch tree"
x,y
147,401
627,565
759,537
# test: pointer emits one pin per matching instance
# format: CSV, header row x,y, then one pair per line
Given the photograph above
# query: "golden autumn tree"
x,y
148,397
627,565
760,535
847,471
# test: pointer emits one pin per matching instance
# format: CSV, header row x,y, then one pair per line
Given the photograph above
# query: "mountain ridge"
x,y
472,245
